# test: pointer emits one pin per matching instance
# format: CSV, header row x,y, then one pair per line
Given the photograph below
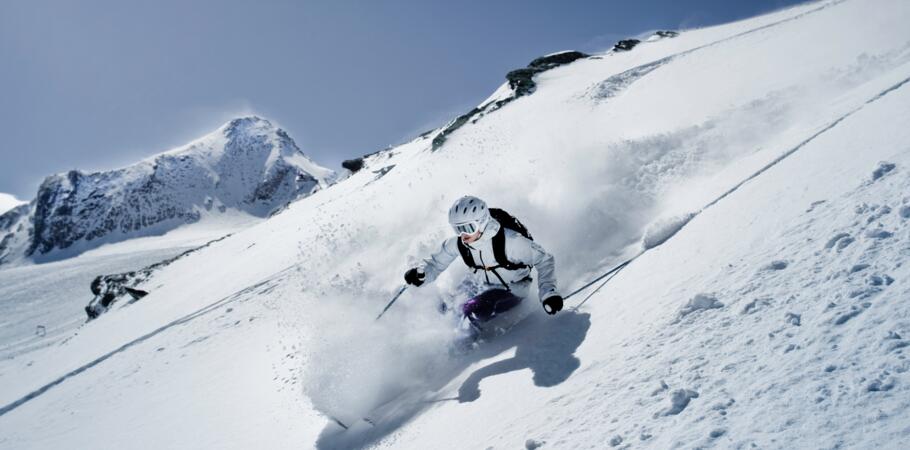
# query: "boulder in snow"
x,y
625,45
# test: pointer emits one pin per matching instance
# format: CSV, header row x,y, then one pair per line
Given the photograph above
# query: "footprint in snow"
x,y
776,265
879,280
717,433
663,387
879,233
721,408
839,240
854,311
814,205
894,342
755,305
884,167
878,214
880,385
864,293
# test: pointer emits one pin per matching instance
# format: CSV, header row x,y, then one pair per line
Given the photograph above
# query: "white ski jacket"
x,y
519,249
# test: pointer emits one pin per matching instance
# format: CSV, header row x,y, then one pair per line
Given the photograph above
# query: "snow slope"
x,y
43,304
8,202
774,316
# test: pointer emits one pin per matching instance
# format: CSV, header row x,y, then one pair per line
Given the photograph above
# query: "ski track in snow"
x,y
615,84
771,318
827,351
260,288
800,328
822,350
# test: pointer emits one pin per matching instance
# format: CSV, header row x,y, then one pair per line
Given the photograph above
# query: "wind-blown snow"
x,y
776,130
658,232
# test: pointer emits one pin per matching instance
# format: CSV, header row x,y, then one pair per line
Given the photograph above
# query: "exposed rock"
x,y
556,59
625,45
14,227
521,82
454,125
247,165
110,289
353,164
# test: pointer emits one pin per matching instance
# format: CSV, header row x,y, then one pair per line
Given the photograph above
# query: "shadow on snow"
x,y
545,345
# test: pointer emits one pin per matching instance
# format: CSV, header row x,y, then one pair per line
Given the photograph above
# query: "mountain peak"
x,y
248,124
249,166
8,202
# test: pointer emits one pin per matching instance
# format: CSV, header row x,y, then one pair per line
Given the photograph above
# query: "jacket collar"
x,y
490,230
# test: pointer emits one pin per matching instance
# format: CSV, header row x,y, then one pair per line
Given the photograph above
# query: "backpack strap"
x,y
499,252
466,255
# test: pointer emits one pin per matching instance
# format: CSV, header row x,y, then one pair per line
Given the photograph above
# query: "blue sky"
x,y
100,84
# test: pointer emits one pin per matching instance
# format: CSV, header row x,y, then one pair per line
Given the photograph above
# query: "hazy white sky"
x,y
100,84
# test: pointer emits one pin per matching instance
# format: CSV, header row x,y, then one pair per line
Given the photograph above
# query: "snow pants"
x,y
488,304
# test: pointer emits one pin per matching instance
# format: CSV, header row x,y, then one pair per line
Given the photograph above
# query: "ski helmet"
x,y
469,215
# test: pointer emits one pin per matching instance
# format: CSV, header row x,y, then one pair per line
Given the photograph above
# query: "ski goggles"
x,y
467,228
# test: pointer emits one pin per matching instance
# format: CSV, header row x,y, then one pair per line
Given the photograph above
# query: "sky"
x,y
95,85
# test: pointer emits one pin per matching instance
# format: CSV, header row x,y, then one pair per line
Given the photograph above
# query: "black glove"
x,y
414,277
552,305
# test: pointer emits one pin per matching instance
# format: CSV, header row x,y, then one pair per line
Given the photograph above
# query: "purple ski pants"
x,y
488,304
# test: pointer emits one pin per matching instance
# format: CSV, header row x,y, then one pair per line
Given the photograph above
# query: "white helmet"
x,y
469,215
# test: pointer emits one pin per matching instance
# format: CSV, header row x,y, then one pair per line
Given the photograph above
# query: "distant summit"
x,y
247,166
8,202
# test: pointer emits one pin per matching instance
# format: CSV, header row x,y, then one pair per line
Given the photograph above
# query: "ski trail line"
x,y
614,84
802,144
615,271
187,318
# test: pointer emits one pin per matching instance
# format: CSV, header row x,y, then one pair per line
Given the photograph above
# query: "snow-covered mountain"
x,y
247,167
8,202
755,174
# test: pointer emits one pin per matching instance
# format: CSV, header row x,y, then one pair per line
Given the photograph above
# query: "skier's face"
x,y
470,238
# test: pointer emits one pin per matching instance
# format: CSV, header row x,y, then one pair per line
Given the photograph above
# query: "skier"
x,y
500,251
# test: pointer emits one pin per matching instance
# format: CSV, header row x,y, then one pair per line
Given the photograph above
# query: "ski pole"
x,y
400,291
611,271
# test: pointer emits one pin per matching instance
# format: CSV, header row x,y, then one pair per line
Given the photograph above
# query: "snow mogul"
x,y
501,252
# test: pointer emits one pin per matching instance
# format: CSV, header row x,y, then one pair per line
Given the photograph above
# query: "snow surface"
x,y
44,304
774,317
8,202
